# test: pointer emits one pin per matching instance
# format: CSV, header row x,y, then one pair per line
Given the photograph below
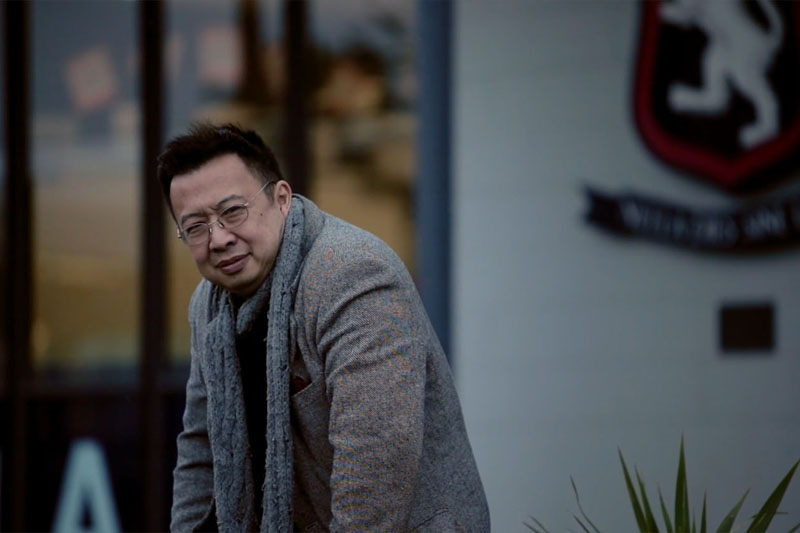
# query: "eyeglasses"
x,y
229,218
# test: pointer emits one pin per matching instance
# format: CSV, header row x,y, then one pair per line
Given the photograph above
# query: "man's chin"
x,y
242,284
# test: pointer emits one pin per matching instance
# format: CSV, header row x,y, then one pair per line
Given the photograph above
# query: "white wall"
x,y
570,343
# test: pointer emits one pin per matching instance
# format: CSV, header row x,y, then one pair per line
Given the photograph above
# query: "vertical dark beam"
x,y
297,117
433,199
18,240
153,257
253,87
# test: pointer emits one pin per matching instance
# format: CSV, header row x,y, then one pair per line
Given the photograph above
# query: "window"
x,y
85,141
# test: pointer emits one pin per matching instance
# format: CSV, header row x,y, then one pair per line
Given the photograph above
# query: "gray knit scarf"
x,y
227,423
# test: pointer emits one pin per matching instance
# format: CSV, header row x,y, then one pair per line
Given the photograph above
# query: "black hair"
x,y
205,141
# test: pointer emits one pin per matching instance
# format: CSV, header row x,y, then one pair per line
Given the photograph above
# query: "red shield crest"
x,y
717,89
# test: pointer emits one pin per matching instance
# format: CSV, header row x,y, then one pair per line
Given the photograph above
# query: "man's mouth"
x,y
233,265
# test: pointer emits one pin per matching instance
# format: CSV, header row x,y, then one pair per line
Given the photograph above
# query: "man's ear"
x,y
283,195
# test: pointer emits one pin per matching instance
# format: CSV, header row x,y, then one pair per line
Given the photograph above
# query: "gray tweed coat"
x,y
378,435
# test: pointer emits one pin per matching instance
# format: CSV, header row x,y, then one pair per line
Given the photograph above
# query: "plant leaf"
x,y
581,524
536,529
648,513
703,528
637,509
767,512
794,529
664,512
580,507
727,523
681,496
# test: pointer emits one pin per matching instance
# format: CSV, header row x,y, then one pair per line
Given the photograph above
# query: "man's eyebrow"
x,y
228,199
217,207
184,218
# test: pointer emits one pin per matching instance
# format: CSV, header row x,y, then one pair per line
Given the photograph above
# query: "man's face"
x,y
236,259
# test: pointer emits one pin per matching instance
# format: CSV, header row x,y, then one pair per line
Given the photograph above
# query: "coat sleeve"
x,y
373,341
192,493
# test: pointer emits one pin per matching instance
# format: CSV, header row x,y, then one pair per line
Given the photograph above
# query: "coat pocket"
x,y
313,454
310,406
310,415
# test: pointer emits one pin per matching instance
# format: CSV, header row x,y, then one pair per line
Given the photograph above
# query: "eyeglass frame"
x,y
218,221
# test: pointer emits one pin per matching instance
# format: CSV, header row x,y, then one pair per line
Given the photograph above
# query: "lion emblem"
x,y
737,57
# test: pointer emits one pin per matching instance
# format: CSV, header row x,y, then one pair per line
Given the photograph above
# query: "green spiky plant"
x,y
680,521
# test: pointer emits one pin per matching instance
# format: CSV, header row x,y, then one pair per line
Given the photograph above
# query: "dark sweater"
x,y
252,351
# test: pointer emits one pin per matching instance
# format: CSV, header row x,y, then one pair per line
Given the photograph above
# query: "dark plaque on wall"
x,y
746,327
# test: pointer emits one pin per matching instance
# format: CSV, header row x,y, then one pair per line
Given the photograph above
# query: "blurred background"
x,y
466,135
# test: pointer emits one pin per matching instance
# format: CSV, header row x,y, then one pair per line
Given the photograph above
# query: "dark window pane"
x,y
82,424
85,159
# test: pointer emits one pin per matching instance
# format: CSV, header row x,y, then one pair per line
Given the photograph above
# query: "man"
x,y
319,397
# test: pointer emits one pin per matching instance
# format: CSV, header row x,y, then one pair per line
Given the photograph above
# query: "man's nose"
x,y
220,237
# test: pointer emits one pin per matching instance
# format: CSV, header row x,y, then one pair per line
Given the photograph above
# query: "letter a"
x,y
86,483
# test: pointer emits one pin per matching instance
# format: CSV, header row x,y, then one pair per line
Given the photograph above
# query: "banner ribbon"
x,y
771,224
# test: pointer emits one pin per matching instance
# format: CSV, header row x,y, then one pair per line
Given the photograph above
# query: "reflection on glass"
x,y
85,159
363,116
224,63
